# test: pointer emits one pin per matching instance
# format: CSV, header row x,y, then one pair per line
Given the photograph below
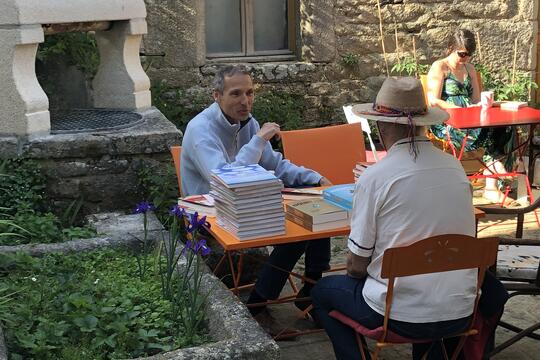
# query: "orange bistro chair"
x,y
176,152
435,254
332,151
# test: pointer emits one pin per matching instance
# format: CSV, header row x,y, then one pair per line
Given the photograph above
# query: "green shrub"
x,y
84,306
408,66
176,106
25,215
78,49
283,107
159,186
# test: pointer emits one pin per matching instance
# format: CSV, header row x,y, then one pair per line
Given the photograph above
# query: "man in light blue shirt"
x,y
225,133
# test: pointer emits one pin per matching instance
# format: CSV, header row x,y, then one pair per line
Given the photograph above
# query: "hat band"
x,y
380,110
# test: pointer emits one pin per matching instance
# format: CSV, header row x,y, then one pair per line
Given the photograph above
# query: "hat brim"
x,y
433,116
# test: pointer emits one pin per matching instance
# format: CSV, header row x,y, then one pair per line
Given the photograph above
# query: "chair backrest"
x,y
176,152
332,151
437,254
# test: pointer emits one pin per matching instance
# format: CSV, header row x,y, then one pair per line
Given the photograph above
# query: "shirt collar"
x,y
406,141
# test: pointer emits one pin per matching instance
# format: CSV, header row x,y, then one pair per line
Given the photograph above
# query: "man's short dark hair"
x,y
228,71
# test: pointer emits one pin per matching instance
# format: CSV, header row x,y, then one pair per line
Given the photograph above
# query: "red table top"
x,y
477,117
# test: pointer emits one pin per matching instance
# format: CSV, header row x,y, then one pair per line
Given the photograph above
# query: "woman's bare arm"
x,y
435,80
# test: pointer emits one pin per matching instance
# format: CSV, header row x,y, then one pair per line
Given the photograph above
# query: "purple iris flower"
x,y
195,223
143,207
177,211
202,248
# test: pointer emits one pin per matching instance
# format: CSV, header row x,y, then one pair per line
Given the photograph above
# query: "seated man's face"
x,y
236,101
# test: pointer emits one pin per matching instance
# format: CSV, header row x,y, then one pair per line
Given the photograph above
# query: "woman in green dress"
x,y
453,83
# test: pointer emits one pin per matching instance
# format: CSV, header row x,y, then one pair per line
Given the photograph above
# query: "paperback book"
x,y
241,176
340,195
317,227
316,211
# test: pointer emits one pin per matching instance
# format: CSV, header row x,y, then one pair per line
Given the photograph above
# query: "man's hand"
x,y
357,265
268,131
324,182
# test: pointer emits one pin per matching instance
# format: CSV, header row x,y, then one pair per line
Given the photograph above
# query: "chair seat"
x,y
376,333
518,261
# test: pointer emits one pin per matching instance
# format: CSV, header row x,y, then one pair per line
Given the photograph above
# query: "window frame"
x,y
248,52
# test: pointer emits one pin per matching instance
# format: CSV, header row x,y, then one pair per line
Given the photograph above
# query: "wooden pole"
x,y
397,45
382,37
515,60
479,47
414,54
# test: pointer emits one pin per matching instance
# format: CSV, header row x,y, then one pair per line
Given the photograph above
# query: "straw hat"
x,y
398,99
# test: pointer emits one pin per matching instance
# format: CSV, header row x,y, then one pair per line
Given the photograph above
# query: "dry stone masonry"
x,y
328,30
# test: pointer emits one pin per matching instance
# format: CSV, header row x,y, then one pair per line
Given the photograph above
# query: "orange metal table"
x,y
293,233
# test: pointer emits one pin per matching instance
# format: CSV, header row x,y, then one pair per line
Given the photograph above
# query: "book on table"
x,y
242,176
296,194
317,227
511,105
204,204
248,201
340,195
315,211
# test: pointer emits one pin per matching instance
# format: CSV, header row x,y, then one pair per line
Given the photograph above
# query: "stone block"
x,y
8,147
318,39
66,11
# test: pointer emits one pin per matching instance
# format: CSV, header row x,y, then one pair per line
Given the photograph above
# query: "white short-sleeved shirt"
x,y
399,201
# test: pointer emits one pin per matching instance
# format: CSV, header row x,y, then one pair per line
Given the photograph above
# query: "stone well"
x,y
94,153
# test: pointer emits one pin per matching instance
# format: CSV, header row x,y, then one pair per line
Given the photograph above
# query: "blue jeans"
x,y
270,281
344,294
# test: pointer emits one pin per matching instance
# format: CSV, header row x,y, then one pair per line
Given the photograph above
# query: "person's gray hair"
x,y
227,71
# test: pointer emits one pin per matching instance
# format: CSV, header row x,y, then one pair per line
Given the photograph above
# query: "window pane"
x,y
270,24
223,26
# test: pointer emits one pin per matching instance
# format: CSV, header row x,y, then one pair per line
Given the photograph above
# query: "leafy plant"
x,y
177,107
283,107
84,306
24,216
506,88
349,59
409,66
78,49
159,186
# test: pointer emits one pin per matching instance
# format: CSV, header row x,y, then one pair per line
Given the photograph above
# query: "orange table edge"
x,y
293,233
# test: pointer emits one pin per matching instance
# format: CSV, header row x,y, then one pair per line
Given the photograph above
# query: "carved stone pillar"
x,y
24,107
121,82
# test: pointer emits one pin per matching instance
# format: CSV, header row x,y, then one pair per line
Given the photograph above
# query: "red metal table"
x,y
481,117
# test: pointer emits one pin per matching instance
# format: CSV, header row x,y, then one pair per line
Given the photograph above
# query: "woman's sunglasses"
x,y
463,54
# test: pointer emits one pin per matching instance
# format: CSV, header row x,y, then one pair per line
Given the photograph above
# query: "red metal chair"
x,y
435,254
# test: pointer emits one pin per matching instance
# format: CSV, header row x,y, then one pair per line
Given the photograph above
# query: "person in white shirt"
x,y
415,192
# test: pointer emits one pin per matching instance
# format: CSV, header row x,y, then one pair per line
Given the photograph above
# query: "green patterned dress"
x,y
495,141
459,94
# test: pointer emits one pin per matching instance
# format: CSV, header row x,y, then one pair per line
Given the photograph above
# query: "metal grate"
x,y
92,120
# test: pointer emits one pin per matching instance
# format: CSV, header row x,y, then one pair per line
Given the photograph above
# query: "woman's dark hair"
x,y
462,39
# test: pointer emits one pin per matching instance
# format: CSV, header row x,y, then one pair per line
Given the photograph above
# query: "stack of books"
x,y
340,195
248,201
359,169
316,214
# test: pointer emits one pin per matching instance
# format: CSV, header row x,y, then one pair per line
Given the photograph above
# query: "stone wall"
x,y
328,30
98,167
